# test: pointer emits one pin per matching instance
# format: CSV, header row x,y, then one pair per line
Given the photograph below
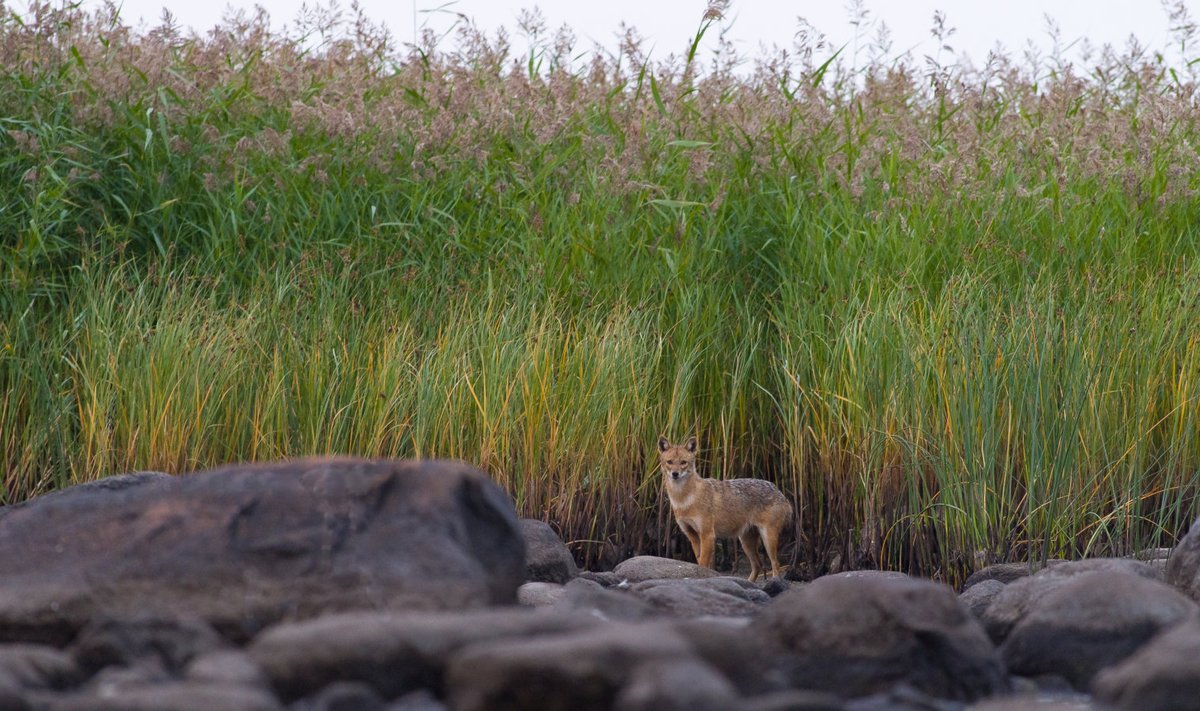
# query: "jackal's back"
x,y
738,503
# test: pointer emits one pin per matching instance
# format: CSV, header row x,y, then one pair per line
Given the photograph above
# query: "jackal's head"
x,y
677,460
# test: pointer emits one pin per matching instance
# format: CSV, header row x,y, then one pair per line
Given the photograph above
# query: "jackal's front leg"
x,y
693,537
708,545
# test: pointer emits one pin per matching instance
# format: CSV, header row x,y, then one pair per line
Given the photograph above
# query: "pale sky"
x,y
668,25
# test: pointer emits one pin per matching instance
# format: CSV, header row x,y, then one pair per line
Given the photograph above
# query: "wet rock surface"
x,y
325,585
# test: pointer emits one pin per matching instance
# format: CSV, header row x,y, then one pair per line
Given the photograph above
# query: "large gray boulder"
x,y
1183,567
244,546
1088,622
1164,675
547,559
1012,603
860,636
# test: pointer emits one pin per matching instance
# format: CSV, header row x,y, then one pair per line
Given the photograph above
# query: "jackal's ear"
x,y
691,444
663,444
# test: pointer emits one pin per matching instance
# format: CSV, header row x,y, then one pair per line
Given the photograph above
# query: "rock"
x,y
225,666
776,586
116,482
1052,684
1163,675
1159,564
12,699
582,583
113,680
1009,605
1002,572
1077,702
703,596
1090,621
648,567
171,696
870,574
167,641
244,546
547,559
794,700
676,685
902,697
1183,568
417,701
392,652
29,666
606,578
754,588
539,594
1150,555
978,597
342,696
726,646
1094,565
583,598
581,671
856,636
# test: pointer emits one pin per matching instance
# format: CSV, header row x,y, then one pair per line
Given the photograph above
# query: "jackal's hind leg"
x,y
770,536
749,539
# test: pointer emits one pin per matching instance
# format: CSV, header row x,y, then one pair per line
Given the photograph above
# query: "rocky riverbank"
x,y
412,586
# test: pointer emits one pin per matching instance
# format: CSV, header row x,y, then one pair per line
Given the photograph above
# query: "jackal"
x,y
748,509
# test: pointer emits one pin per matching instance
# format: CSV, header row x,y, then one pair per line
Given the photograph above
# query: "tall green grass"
x,y
953,314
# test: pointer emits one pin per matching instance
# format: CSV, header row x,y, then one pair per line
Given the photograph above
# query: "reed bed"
x,y
953,311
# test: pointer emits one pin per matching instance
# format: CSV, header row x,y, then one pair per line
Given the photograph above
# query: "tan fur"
x,y
706,509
